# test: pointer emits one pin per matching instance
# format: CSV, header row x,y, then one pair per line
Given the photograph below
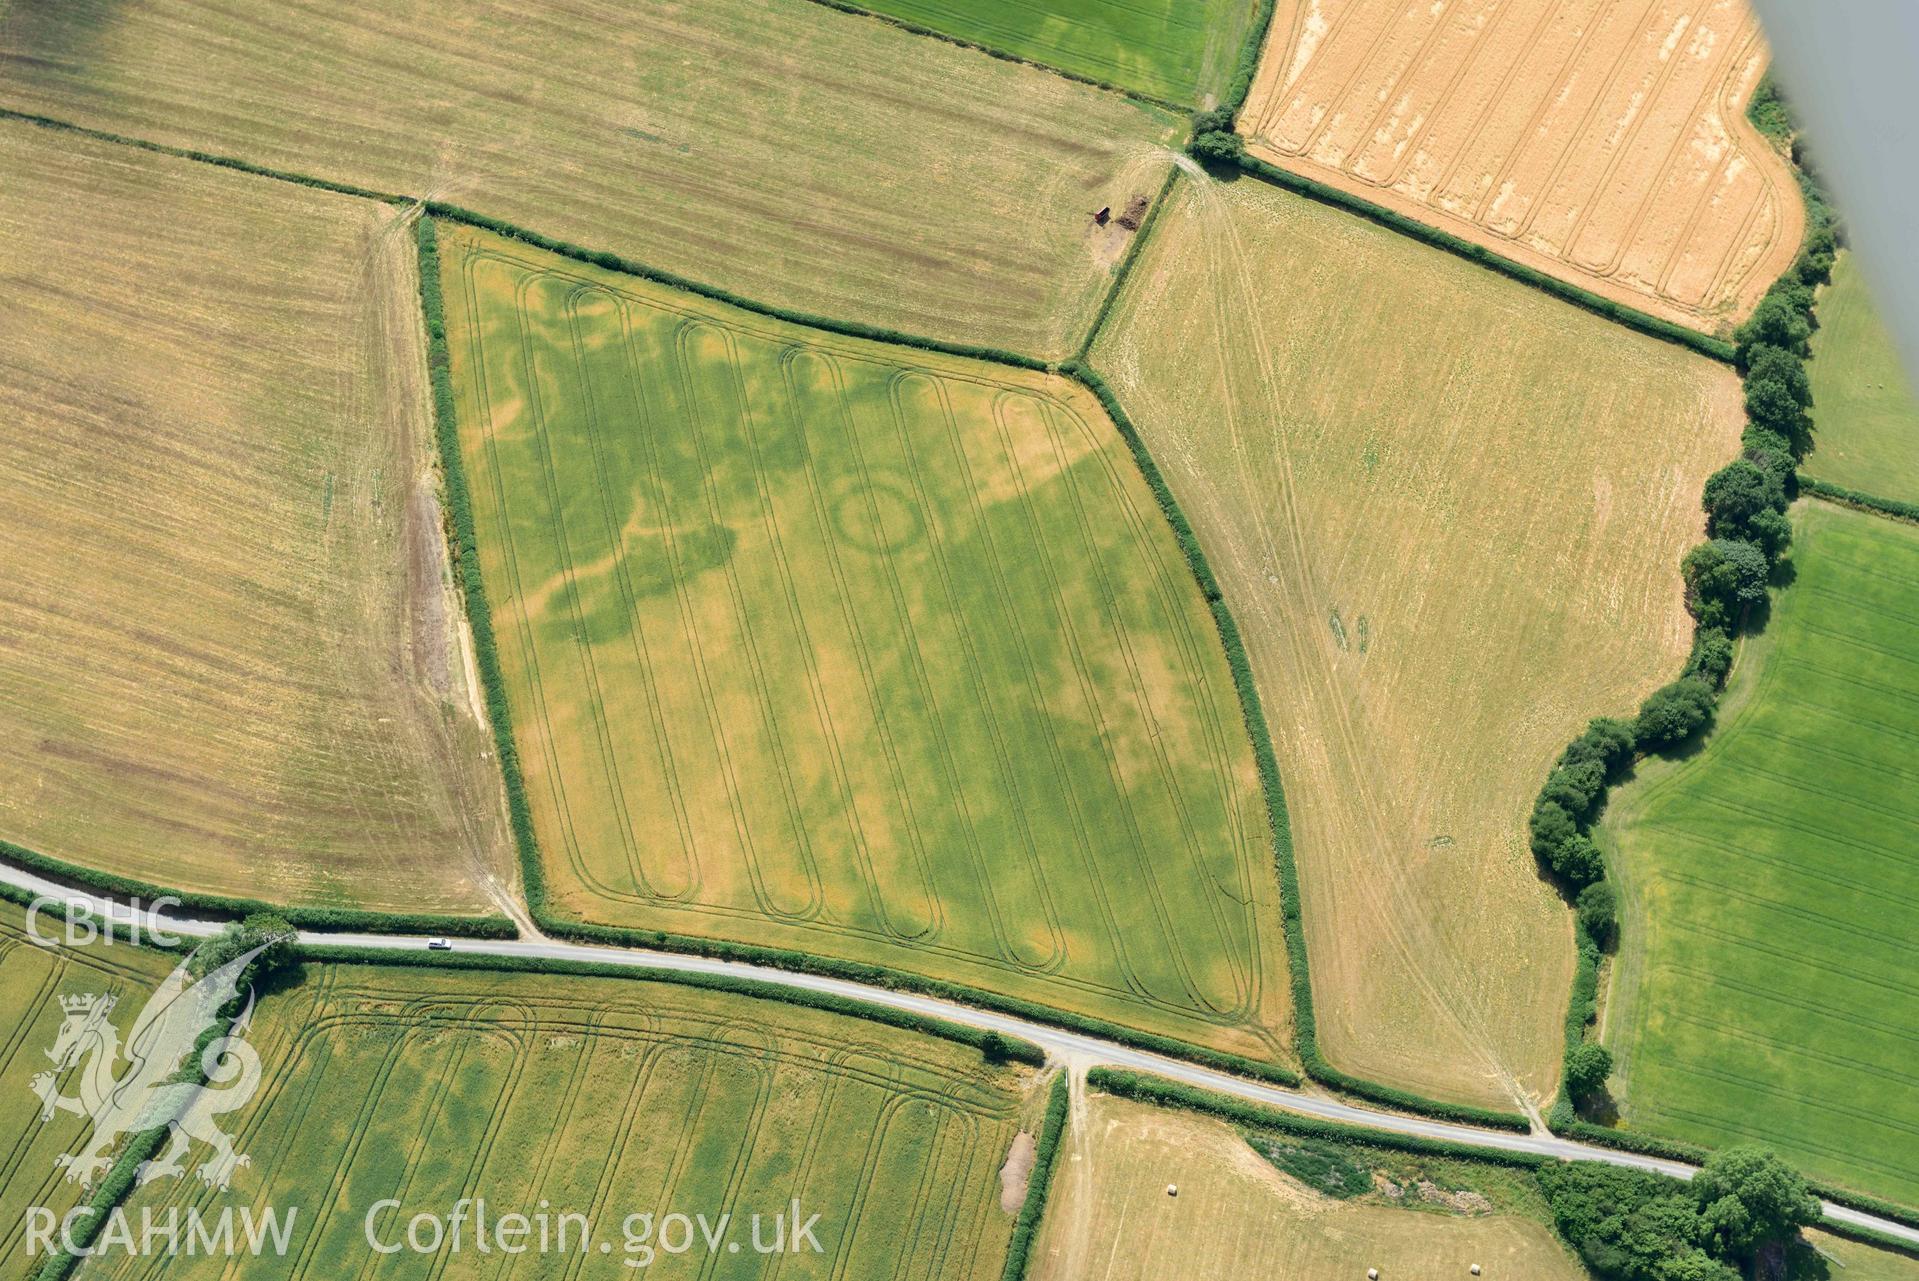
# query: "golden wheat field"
x,y
1603,143
233,660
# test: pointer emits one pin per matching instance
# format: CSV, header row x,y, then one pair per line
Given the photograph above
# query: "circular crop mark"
x,y
878,517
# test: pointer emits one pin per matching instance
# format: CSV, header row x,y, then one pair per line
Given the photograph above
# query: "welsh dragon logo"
x,y
133,1087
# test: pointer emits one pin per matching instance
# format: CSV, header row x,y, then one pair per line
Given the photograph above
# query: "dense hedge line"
x,y
1145,1088
208,158
1248,65
614,262
1865,1204
1867,1236
906,24
1631,317
1305,1030
308,918
900,981
1865,502
1727,578
114,1188
1133,251
1013,1048
464,544
1039,1182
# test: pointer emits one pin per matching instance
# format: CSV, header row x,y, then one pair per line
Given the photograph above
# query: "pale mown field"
x,y
871,653
1109,1217
1602,143
1448,512
604,1098
231,656
790,153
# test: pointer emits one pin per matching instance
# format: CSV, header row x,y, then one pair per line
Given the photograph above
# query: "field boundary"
x,y
459,511
918,29
318,918
1631,317
1039,1183
1305,1037
1143,1087
1891,508
566,249
1126,262
1015,1049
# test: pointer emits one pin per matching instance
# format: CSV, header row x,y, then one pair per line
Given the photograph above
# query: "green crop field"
x,y
1179,50
819,160
604,1098
233,659
32,981
1767,984
1863,404
872,653
1347,416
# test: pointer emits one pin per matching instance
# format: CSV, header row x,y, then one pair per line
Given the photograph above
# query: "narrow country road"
x,y
1059,1044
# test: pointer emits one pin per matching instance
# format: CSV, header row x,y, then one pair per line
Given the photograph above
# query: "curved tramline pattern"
x,y
607,1098
1603,144
32,981
878,655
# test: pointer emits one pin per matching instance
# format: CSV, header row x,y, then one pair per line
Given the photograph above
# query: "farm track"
x,y
1075,1050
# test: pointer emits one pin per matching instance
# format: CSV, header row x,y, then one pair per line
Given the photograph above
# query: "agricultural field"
x,y
33,979
1176,50
1604,144
606,1098
1447,510
233,656
877,654
1863,404
1765,987
791,153
1236,1215
1855,1261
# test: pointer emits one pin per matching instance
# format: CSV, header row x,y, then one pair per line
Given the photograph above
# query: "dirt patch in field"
x,y
1602,144
1013,1175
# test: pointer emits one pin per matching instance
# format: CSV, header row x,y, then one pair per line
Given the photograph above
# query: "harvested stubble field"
x,y
793,154
1863,402
1603,143
605,1098
1109,1217
1447,511
1174,50
232,651
872,653
32,981
1766,987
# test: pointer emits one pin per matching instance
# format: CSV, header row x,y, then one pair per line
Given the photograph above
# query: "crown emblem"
x,y
86,1003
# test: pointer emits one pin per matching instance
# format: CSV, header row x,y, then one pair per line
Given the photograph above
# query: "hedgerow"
x,y
614,262
1133,252
1012,1048
899,981
1144,1088
1248,65
1727,579
1305,1031
1003,55
1039,1183
1631,317
223,906
1865,502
